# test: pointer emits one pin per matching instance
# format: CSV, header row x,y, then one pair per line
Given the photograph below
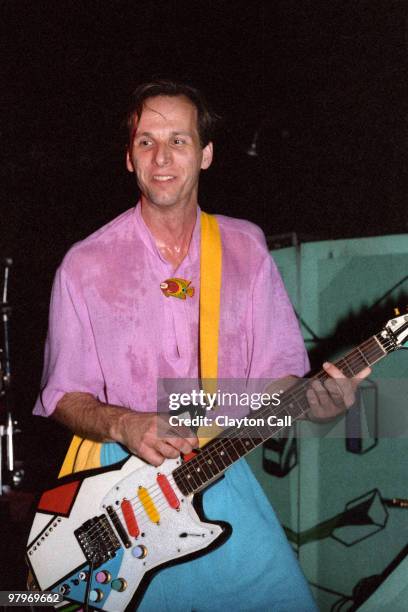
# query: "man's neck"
x,y
171,229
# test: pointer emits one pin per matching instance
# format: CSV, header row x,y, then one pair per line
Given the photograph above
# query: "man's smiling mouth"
x,y
163,178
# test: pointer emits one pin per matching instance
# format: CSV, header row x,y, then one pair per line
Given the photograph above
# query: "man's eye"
x,y
144,142
179,141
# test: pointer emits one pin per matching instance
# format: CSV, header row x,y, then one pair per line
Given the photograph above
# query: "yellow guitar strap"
x,y
85,454
210,302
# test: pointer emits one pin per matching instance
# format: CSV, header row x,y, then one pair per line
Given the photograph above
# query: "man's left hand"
x,y
334,395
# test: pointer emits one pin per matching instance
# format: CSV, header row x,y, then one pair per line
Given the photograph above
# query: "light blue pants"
x,y
255,570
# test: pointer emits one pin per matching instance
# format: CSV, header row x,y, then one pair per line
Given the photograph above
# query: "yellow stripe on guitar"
x,y
82,455
148,505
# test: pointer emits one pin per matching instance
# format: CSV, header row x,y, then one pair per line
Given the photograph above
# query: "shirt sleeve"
x,y
71,362
277,345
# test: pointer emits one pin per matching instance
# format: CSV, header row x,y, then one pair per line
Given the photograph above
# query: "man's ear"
x,y
207,156
129,163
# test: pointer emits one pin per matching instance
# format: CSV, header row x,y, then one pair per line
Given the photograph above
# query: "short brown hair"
x,y
206,118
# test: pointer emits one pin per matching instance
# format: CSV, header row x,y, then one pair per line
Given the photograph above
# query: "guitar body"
x,y
83,522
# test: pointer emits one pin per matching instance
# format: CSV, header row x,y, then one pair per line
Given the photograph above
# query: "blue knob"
x,y
139,551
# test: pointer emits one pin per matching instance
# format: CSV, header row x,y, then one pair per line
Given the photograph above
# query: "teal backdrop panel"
x,y
331,485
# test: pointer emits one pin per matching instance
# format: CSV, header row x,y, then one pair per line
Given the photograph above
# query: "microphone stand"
x,y
7,427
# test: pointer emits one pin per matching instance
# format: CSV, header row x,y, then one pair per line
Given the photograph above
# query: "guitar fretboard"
x,y
221,452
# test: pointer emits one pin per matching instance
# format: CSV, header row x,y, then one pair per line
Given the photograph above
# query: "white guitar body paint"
x,y
59,564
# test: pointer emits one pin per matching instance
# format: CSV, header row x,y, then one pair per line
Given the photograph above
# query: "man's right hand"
x,y
146,434
150,437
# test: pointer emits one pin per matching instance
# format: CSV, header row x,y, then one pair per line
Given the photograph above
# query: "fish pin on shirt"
x,y
177,287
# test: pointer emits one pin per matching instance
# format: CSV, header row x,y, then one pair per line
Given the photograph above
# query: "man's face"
x,y
165,152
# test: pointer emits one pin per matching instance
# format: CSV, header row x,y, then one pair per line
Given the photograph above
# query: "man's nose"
x,y
162,154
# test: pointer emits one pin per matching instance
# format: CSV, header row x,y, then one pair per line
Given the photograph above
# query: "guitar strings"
x,y
352,359
141,521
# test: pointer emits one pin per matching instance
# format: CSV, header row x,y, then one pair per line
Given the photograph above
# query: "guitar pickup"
x,y
97,540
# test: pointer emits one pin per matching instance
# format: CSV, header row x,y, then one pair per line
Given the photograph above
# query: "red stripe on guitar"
x,y
130,519
60,499
168,492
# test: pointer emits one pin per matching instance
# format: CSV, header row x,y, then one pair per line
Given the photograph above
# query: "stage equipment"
x,y
11,474
361,422
340,289
279,454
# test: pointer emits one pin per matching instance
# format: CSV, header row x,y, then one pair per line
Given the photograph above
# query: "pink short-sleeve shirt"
x,y
113,333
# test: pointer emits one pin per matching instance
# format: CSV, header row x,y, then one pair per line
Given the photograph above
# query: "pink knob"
x,y
102,577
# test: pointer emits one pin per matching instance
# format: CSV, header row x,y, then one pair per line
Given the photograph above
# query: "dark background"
x,y
323,83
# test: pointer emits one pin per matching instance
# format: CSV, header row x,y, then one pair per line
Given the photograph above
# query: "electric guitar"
x,y
98,536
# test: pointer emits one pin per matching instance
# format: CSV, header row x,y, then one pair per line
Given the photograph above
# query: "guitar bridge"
x,y
97,540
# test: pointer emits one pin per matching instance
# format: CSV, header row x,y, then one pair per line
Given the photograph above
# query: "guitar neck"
x,y
233,444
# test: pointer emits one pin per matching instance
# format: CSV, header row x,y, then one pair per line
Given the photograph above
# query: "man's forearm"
x,y
137,431
88,417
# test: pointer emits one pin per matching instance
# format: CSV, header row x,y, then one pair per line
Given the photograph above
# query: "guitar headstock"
x,y
396,330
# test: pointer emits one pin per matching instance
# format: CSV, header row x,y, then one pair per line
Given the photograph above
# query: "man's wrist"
x,y
118,424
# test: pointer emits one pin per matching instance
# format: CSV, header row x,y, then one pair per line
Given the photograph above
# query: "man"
x,y
113,335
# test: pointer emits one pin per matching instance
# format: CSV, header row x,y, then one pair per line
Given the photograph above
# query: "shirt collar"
x,y
146,236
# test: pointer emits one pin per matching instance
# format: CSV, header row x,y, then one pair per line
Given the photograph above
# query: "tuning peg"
x,y
397,312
